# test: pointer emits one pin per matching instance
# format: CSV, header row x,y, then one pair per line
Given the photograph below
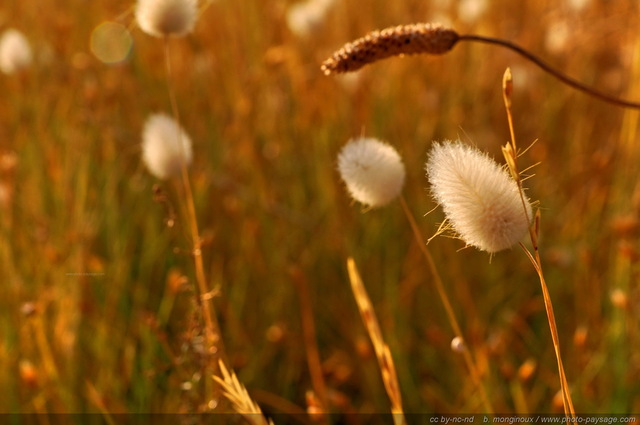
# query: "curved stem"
x,y
548,68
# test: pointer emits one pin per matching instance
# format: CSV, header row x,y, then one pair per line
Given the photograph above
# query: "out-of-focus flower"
x,y
372,170
305,17
161,18
15,52
165,146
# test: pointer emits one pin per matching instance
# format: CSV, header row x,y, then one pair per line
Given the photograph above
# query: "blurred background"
x,y
96,290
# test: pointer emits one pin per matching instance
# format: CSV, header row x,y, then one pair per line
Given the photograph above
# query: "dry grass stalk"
x,y
319,406
212,328
385,361
394,41
215,345
240,399
439,285
510,153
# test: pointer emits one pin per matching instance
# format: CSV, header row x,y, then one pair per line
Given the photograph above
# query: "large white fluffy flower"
x,y
165,146
161,18
372,170
480,199
15,52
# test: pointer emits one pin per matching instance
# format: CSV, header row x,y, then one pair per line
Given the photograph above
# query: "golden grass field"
x,y
97,311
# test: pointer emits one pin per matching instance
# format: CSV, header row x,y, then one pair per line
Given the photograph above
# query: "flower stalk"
x,y
212,328
510,154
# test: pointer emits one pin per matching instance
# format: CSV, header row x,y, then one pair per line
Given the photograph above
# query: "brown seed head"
x,y
410,39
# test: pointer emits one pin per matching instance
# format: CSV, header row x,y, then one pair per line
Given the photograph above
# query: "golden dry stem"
x,y
401,40
509,151
383,354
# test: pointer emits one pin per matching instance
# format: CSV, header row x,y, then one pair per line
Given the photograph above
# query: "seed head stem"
x,y
549,69
212,330
511,158
437,281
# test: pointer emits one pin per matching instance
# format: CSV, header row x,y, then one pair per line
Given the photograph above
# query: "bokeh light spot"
x,y
111,42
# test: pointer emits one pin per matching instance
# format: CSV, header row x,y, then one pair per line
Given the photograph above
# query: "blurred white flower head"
x,y
470,11
165,146
557,37
480,199
578,5
161,18
305,17
372,171
15,52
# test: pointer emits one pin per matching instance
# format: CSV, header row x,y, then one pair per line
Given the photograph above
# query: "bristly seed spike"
x,y
394,41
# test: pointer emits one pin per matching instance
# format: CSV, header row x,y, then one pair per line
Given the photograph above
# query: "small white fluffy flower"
x,y
372,170
161,18
480,199
165,146
15,52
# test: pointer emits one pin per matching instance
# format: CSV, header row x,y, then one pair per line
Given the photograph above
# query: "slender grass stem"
x,y
549,69
564,386
510,152
437,280
311,345
212,330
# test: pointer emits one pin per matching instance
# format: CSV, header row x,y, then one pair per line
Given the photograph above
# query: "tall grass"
x,y
95,316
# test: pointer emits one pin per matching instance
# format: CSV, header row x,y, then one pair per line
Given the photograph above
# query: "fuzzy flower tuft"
x,y
15,52
161,18
372,170
480,199
165,146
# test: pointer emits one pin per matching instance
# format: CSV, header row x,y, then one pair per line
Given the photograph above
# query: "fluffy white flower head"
x,y
161,18
372,170
479,197
15,52
165,146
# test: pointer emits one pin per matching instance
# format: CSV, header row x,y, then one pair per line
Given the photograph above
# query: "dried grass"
x,y
383,354
239,397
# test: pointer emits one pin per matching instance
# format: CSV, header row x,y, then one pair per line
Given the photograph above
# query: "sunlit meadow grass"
x,y
96,314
